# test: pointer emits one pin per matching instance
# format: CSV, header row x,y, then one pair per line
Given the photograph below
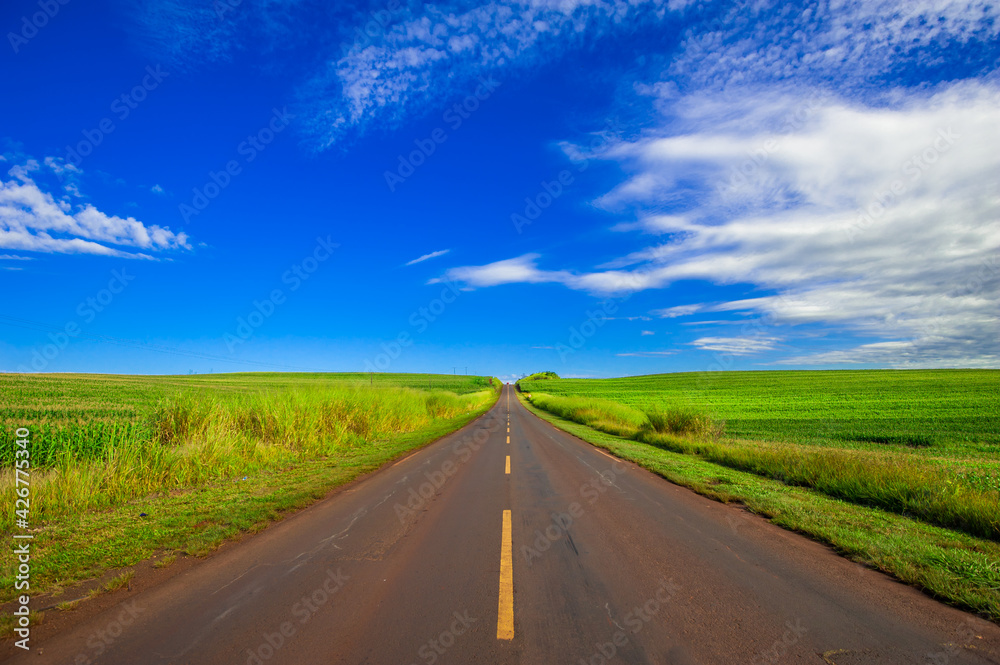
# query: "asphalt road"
x,y
513,542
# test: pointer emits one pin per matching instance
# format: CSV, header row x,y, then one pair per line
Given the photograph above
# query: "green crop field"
x,y
923,445
85,414
957,410
201,458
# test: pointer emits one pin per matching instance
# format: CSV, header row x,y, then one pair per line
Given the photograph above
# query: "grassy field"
x,y
201,458
957,410
83,416
922,445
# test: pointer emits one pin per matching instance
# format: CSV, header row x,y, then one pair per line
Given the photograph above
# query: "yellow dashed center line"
x,y
505,613
507,470
508,438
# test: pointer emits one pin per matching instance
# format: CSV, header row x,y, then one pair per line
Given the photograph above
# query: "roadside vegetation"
x,y
927,411
124,466
921,445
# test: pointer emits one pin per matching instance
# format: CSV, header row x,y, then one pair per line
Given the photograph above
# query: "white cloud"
x,y
846,43
439,51
884,222
647,332
426,257
422,54
509,271
646,354
677,310
34,220
157,189
737,346
925,353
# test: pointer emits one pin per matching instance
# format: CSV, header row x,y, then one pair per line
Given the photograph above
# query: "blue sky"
x,y
598,188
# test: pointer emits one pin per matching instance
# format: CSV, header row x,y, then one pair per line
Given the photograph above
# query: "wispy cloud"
x,y
439,50
905,353
509,271
819,152
422,54
737,346
850,44
646,354
32,219
425,53
676,311
647,332
883,221
427,257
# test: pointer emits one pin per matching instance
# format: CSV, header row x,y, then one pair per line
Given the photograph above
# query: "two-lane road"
x,y
512,542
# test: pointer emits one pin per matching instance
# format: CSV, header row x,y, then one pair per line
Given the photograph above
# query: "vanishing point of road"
x,y
510,541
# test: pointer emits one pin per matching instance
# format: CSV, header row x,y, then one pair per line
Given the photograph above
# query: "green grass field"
x,y
922,445
204,457
958,410
86,414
